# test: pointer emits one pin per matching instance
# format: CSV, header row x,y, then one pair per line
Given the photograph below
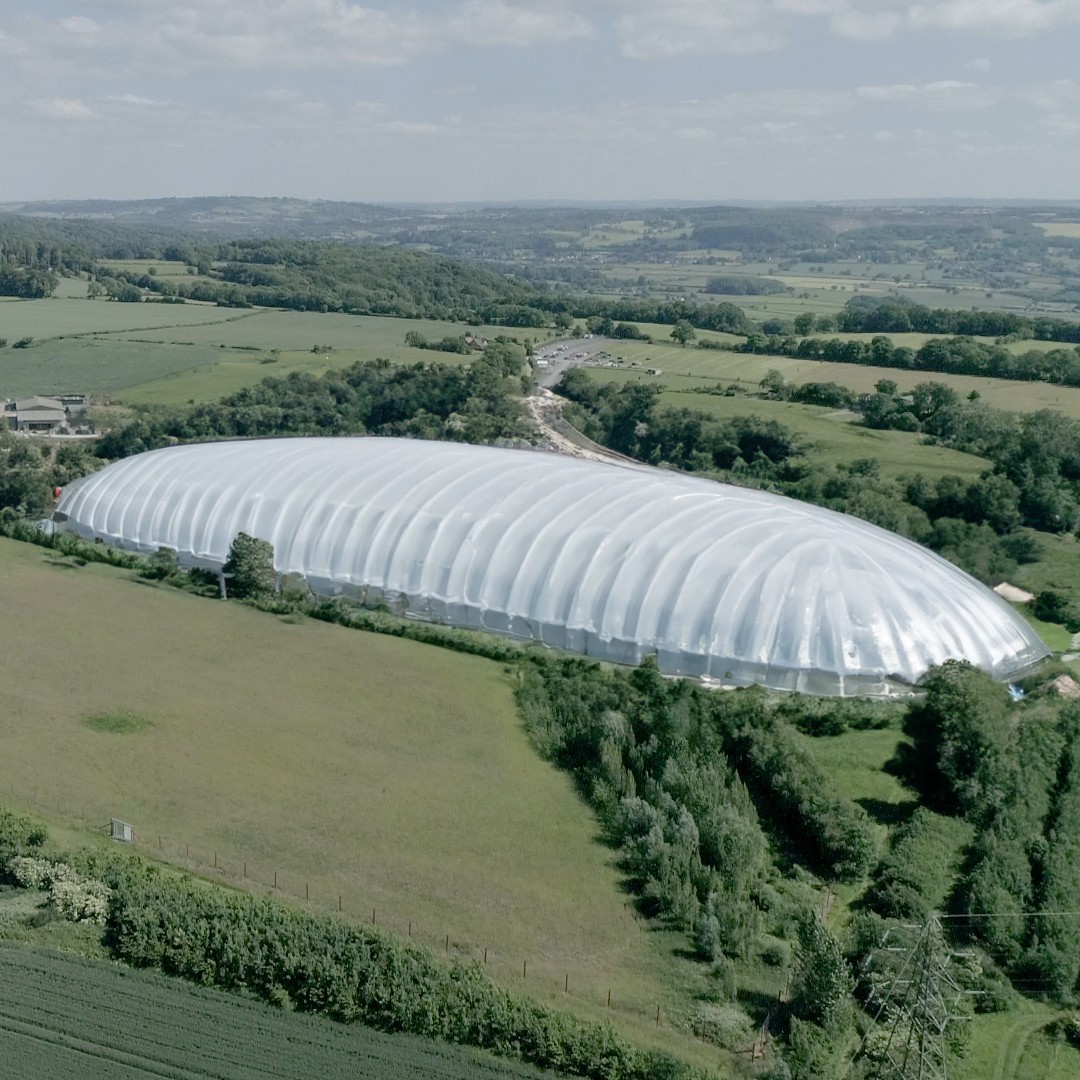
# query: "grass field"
x,y
1020,1044
61,1015
836,440
685,368
163,267
392,774
1058,567
170,354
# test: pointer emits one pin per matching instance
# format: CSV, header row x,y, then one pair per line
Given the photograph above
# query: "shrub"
x,y
75,897
19,836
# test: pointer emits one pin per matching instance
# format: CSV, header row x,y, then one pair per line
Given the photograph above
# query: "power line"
x,y
916,1008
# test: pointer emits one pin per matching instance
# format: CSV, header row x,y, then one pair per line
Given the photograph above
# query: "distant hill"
x,y
222,215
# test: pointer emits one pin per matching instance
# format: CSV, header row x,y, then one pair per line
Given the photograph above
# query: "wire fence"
x,y
537,976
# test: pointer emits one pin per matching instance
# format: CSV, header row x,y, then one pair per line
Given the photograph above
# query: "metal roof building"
x,y
612,561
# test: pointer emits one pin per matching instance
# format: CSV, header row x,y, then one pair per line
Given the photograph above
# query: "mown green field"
x,y
391,774
685,368
173,353
64,1016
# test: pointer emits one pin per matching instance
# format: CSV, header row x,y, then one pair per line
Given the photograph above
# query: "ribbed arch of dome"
x,y
614,561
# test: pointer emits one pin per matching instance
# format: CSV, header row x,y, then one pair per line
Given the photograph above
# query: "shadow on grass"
x,y
889,813
759,1005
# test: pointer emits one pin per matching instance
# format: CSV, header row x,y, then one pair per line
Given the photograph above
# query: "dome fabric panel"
x,y
614,561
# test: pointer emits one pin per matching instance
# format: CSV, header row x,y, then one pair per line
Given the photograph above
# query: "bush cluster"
x,y
353,973
315,964
75,897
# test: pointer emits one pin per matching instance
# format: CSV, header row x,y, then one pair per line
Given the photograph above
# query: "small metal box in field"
x,y
121,830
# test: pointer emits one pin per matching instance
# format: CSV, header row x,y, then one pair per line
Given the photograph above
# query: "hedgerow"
x,y
325,965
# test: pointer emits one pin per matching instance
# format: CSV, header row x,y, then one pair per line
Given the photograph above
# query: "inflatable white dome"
x,y
612,561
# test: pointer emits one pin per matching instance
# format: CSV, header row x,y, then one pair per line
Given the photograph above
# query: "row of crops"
x,y
61,1015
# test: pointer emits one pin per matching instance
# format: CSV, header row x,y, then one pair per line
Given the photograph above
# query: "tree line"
x,y
478,403
952,356
1011,771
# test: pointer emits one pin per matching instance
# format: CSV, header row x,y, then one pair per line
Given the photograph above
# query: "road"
x,y
545,407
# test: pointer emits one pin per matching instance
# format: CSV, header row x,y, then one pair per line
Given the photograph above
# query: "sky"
x,y
505,100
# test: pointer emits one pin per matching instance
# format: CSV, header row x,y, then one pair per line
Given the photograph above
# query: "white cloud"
x,y
865,25
62,108
178,37
135,100
1054,96
1011,17
405,127
980,63
651,30
497,22
79,26
945,94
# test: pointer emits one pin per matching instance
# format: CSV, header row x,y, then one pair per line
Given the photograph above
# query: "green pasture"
x,y
71,288
855,762
172,353
162,268
58,317
275,343
1021,1044
1056,637
61,1015
835,439
1058,568
391,774
682,368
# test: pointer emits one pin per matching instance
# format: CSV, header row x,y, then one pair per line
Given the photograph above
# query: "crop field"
x,y
1061,228
61,1015
340,764
684,368
173,353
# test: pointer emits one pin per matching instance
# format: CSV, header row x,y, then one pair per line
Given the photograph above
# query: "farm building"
x,y
40,414
613,561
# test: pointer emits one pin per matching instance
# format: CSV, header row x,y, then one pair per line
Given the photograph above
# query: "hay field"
x,y
684,368
391,773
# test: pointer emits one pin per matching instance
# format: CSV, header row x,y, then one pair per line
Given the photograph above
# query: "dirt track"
x,y
545,408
